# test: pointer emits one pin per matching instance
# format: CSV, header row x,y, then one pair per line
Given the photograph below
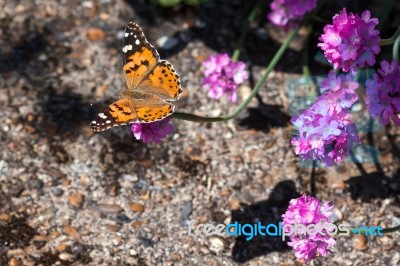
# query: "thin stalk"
x,y
396,47
392,39
313,188
246,26
391,229
305,68
319,19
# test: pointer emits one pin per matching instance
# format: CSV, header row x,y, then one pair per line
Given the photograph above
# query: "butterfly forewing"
x,y
140,57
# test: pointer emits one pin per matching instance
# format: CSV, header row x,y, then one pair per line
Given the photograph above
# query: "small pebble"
x,y
395,260
65,256
110,208
387,243
113,191
175,257
14,262
337,215
95,34
216,244
116,240
225,192
76,199
130,178
112,227
137,224
167,43
5,217
132,252
145,163
360,242
62,247
235,203
104,16
71,231
30,117
136,207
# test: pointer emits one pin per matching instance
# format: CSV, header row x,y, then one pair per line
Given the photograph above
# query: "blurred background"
x,y
72,197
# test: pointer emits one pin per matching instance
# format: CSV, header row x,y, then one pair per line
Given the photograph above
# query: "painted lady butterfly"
x,y
151,85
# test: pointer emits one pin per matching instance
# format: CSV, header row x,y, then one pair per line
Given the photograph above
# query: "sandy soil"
x,y
72,197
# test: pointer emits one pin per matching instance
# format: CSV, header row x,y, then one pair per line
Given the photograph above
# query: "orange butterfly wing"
x,y
163,81
126,111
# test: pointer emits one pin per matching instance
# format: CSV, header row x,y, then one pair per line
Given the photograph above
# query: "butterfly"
x,y
151,85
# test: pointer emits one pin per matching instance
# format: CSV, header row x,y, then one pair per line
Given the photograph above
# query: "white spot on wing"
x,y
102,116
127,48
126,34
137,42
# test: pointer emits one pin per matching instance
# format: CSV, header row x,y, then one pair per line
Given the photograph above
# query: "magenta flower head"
x,y
383,93
289,13
351,41
326,132
152,132
308,211
223,76
341,88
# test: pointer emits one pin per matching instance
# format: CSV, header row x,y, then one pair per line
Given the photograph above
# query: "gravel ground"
x,y
71,197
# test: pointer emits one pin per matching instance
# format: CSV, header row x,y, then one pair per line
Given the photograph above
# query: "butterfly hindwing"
x,y
163,81
147,114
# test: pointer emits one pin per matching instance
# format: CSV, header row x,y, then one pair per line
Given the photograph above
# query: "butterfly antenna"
x,y
114,82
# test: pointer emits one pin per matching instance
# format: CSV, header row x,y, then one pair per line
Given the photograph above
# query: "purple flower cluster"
x,y
341,88
289,13
383,93
152,132
326,132
222,75
351,41
307,210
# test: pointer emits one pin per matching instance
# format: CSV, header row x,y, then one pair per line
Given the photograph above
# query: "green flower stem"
x,y
270,67
392,39
306,69
391,230
246,26
396,47
319,19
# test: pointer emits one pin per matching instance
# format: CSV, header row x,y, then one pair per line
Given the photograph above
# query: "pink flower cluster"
x,y
340,88
307,210
289,13
326,132
223,76
383,93
351,41
152,132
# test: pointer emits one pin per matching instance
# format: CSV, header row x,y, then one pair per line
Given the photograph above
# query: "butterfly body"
x,y
151,85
